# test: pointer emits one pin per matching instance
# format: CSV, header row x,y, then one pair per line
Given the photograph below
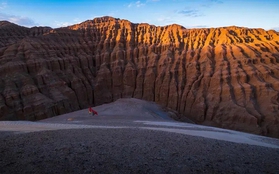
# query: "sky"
x,y
188,13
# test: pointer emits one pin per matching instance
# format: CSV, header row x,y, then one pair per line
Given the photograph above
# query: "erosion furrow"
x,y
226,77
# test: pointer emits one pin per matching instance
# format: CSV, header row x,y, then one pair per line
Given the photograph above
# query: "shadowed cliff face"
x,y
226,77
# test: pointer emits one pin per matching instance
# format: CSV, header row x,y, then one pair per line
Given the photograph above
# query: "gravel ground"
x,y
129,150
130,136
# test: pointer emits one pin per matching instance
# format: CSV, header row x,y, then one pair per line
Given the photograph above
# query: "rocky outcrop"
x,y
226,77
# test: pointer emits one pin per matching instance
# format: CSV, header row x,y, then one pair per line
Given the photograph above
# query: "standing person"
x,y
90,110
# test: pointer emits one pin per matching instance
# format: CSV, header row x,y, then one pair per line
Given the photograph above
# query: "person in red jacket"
x,y
92,111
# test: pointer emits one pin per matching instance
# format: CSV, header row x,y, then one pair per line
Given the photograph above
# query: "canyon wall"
x,y
226,77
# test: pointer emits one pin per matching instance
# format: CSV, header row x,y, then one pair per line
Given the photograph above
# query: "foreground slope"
x,y
225,77
139,138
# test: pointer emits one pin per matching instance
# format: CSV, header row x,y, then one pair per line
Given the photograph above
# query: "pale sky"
x,y
188,13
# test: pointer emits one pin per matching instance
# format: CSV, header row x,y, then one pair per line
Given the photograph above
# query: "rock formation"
x,y
226,77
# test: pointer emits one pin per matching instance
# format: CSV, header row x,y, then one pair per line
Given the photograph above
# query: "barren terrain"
x,y
225,77
145,141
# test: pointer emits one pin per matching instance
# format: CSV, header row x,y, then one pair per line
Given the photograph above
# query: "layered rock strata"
x,y
226,77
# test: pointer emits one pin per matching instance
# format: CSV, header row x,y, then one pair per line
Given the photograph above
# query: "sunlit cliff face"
x,y
226,77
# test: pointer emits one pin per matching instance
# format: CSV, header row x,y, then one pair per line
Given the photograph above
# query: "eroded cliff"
x,y
226,77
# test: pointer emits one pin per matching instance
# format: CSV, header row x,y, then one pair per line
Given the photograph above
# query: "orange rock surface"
x,y
226,77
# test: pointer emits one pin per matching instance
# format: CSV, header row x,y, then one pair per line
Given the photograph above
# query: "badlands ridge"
x,y
226,77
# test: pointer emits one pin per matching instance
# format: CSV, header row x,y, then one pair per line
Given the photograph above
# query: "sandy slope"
x,y
130,136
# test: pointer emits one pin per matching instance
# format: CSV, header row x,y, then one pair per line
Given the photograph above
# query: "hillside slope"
x,y
225,77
